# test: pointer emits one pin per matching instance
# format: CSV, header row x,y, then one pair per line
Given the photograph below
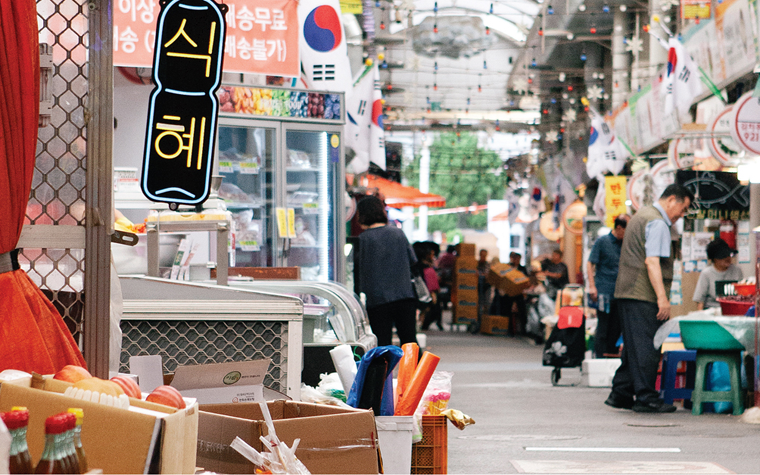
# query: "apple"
x,y
129,386
168,396
72,373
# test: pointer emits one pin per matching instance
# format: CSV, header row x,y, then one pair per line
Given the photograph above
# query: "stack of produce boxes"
x,y
464,294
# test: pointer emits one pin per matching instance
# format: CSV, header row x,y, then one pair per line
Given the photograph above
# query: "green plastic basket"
x,y
707,335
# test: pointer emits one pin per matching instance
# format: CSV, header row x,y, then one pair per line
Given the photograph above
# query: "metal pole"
x,y
99,183
424,187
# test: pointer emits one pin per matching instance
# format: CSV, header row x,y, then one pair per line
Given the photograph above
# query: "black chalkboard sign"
x,y
182,115
718,195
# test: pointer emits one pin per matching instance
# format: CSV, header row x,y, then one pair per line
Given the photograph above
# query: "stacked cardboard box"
x,y
465,249
464,295
494,325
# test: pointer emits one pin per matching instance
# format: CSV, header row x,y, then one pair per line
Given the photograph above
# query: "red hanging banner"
x,y
262,36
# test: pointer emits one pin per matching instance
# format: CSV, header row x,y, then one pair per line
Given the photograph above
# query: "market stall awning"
x,y
397,195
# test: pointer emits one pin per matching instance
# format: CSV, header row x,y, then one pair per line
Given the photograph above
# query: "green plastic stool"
x,y
700,396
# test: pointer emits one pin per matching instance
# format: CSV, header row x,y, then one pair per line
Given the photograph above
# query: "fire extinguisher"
x,y
728,232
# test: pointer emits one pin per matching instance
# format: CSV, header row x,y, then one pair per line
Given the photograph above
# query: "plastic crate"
x,y
707,335
430,455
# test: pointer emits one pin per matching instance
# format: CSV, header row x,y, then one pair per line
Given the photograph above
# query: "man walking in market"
x,y
602,273
642,292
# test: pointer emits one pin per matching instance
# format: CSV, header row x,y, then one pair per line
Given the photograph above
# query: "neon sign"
x,y
182,115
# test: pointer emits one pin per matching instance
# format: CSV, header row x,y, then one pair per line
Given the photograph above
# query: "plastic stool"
x,y
670,361
700,396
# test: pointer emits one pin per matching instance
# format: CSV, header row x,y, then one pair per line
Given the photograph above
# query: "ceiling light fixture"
x,y
582,7
623,8
570,36
606,8
550,10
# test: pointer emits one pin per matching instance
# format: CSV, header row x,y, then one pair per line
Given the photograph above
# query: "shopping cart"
x,y
566,345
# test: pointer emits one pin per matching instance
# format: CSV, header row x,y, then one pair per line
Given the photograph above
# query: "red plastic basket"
x,y
430,455
734,307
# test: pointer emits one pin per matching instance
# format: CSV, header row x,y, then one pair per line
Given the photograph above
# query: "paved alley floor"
x,y
526,425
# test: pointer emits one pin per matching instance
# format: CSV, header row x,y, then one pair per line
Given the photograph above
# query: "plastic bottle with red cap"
x,y
53,458
17,422
82,458
71,453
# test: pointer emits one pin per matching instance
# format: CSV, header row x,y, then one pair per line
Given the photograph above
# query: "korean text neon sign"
x,y
182,115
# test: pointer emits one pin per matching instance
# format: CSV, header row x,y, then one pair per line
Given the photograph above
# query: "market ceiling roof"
x,y
451,56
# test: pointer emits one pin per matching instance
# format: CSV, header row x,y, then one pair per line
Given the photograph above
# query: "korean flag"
x,y
324,55
359,104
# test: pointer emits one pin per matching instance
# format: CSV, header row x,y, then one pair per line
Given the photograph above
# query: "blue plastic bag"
x,y
393,355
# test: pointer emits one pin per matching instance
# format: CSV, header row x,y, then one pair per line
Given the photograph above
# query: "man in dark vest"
x,y
642,293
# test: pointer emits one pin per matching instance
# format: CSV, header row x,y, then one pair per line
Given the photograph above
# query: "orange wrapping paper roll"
x,y
408,402
406,368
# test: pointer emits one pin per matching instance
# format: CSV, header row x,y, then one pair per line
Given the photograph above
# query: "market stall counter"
x,y
191,323
332,316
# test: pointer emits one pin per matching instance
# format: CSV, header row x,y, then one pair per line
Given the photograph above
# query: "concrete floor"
x,y
525,425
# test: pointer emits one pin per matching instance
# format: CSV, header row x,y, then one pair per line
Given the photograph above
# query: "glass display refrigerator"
x,y
280,155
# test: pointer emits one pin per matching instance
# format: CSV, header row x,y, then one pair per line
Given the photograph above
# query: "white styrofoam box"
x,y
598,373
395,436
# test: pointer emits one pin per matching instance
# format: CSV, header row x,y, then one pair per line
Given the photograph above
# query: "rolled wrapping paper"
x,y
406,368
343,359
408,403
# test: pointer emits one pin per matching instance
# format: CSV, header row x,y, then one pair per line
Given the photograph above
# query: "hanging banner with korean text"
x,y
614,198
183,109
262,36
720,195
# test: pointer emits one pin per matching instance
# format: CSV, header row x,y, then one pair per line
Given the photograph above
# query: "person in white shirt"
x,y
722,268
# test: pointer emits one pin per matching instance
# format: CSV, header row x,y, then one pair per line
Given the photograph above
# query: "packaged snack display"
x,y
437,394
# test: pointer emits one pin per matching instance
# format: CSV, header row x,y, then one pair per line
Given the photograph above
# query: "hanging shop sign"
x,y
692,154
720,195
548,227
281,103
262,35
182,114
646,186
722,147
693,9
572,218
745,123
614,198
353,7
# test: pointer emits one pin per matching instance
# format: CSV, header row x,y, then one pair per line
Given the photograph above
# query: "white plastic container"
x,y
395,436
598,373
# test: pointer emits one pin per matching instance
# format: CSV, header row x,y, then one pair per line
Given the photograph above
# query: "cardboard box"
x,y
465,264
148,438
470,296
221,383
465,249
598,373
333,440
467,277
494,325
507,279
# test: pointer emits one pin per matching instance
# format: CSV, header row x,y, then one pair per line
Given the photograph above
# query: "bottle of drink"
x,y
79,414
17,422
71,452
54,454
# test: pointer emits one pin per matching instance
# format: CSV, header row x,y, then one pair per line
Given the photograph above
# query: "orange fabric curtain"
x,y
33,336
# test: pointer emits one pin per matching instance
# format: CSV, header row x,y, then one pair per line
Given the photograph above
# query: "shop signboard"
x,y
614,198
182,114
262,35
693,9
745,123
722,147
720,195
